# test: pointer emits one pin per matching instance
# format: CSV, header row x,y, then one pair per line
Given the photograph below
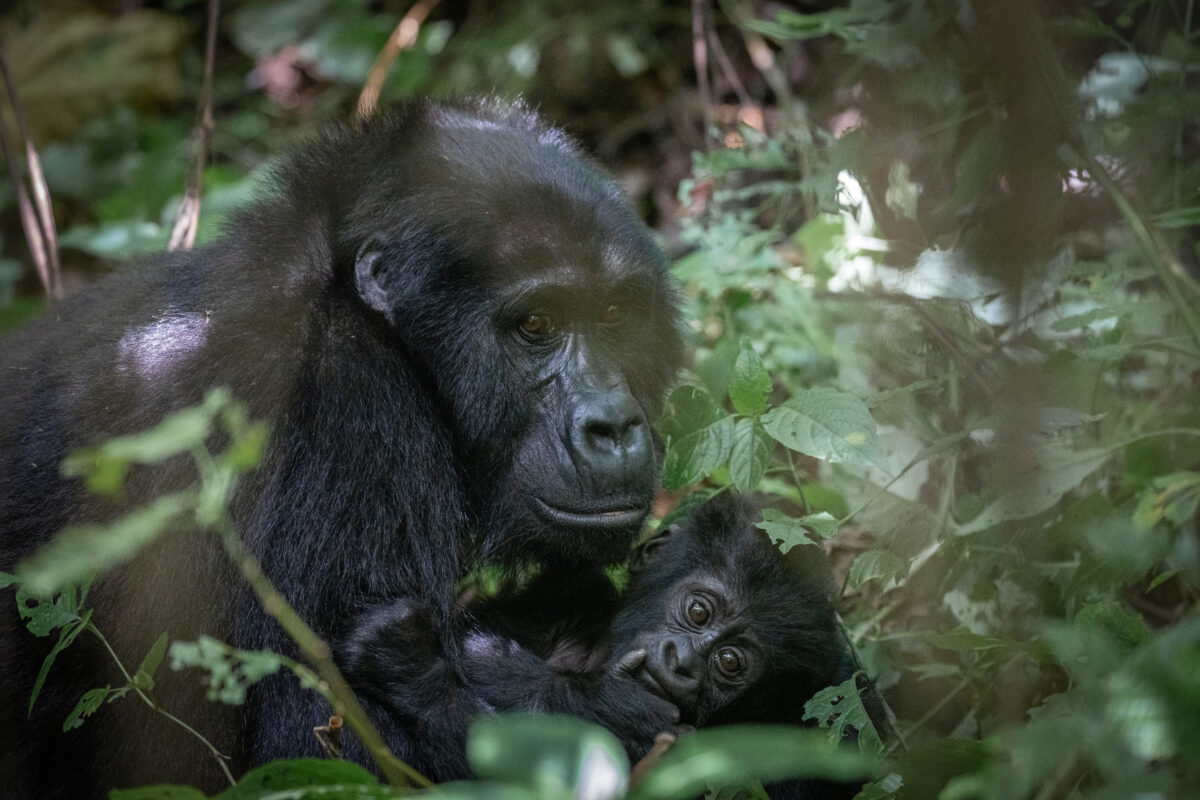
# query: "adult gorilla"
x,y
459,333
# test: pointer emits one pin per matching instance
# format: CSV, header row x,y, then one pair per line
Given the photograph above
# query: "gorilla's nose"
x,y
610,432
681,666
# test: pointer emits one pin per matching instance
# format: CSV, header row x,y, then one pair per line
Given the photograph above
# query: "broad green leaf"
x,y
1054,473
936,670
749,382
287,780
749,455
877,564
85,550
557,756
825,424
699,436
7,580
962,639
738,753
1127,628
791,532
1173,498
144,677
837,707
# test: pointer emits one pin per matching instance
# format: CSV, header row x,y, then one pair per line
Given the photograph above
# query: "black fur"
x,y
458,332
776,622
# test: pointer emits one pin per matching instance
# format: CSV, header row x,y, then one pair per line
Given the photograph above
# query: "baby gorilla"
x,y
713,622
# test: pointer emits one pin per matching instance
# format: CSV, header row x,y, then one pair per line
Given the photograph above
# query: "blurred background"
x,y
940,262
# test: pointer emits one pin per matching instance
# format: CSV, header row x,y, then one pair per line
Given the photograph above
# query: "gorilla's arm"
x,y
543,649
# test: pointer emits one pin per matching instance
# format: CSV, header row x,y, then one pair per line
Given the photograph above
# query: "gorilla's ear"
x,y
369,265
645,552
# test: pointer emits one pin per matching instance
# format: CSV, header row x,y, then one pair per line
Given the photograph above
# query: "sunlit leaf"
x,y
790,532
824,423
877,565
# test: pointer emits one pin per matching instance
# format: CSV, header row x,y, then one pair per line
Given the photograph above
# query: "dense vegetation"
x,y
941,271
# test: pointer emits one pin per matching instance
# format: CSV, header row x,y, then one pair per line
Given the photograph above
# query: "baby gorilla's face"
x,y
701,648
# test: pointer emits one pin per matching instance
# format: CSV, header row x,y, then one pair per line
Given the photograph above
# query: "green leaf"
x,y
962,639
43,615
88,704
7,580
749,382
877,565
104,467
825,424
791,532
144,677
1173,498
699,436
329,778
65,639
1123,625
1054,472
837,707
749,455
231,671
556,756
738,753
81,551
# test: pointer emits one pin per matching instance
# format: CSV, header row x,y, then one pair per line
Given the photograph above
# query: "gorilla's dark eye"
x,y
612,313
697,611
538,326
729,661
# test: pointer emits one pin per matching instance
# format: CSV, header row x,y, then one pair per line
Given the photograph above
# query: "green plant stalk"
x,y
932,712
396,772
221,758
1169,270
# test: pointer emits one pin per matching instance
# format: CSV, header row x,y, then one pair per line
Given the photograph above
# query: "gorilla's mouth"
x,y
624,516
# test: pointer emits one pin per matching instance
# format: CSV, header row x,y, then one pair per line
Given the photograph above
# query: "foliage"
x,y
944,319
996,410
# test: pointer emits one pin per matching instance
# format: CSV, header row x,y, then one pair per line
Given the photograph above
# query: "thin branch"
x,y
700,60
317,652
221,759
403,37
728,69
187,220
37,217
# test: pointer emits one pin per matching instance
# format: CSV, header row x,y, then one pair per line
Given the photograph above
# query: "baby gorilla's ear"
x,y
646,551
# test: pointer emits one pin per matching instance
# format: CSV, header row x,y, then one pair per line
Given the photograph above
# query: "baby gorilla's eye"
x,y
697,611
729,661
538,326
612,313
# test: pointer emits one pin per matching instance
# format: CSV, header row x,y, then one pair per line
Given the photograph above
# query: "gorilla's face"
x,y
542,307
